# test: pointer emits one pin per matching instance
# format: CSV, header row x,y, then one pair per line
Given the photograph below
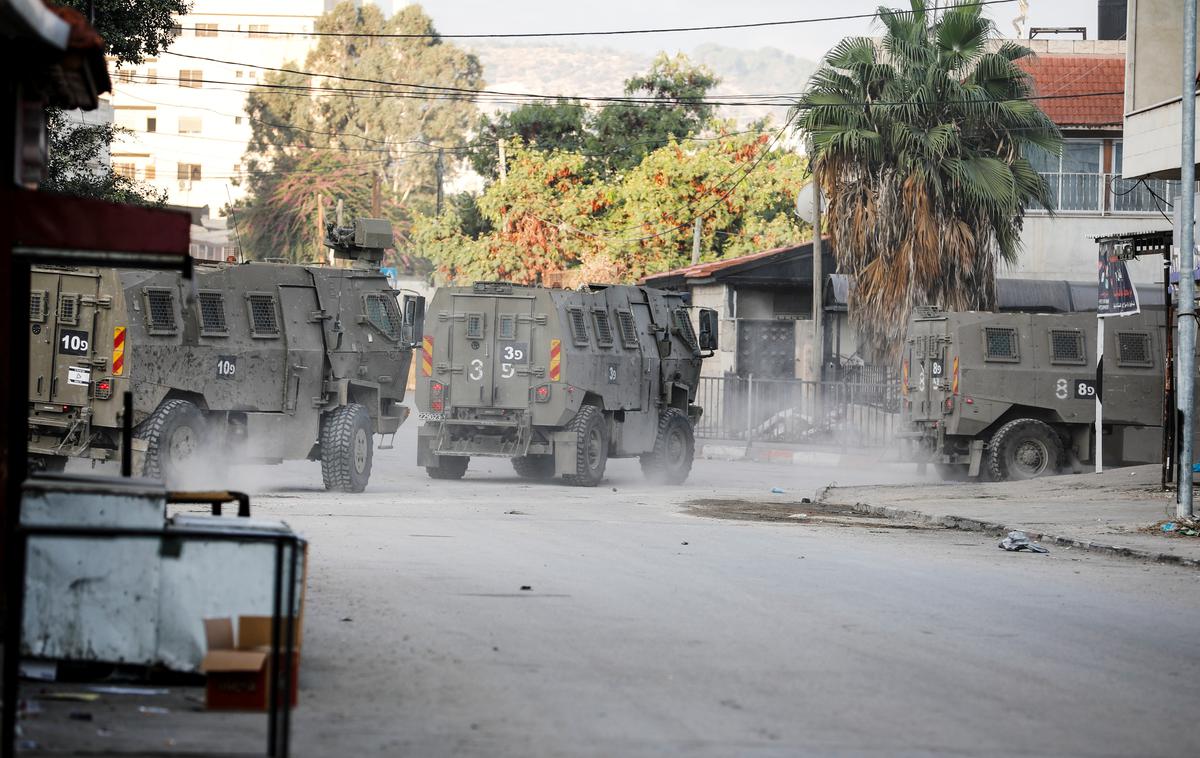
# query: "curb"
x,y
998,529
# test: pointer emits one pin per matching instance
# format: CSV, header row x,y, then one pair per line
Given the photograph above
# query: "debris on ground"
x,y
70,697
153,710
526,588
777,490
1018,540
107,689
1178,528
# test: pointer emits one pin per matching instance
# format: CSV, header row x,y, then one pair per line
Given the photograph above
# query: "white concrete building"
x,y
187,115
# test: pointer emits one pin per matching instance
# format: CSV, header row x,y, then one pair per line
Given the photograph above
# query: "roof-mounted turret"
x,y
362,242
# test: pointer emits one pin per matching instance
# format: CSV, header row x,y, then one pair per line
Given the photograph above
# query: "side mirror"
x,y
414,319
708,329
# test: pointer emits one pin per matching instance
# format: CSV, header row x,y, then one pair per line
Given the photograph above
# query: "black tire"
x,y
176,436
347,448
674,448
591,447
448,467
1024,448
534,466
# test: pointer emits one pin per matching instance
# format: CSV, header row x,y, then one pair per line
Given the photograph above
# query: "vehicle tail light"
x,y
102,389
541,393
437,397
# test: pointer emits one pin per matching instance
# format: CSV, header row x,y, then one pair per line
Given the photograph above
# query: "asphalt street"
x,y
494,617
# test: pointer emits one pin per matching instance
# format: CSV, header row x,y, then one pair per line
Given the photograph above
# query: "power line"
x,y
532,35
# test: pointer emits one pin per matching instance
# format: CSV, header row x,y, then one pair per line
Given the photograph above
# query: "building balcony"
x,y
1108,194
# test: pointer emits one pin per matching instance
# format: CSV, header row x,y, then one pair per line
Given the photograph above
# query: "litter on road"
x,y
1016,541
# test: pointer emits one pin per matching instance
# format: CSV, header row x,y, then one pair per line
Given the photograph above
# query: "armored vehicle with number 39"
x,y
251,362
559,381
1013,395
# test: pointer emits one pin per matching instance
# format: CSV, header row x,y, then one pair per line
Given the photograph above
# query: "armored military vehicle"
x,y
559,381
252,362
1013,395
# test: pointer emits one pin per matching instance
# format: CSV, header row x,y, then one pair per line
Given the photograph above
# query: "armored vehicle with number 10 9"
x,y
249,362
1013,395
559,381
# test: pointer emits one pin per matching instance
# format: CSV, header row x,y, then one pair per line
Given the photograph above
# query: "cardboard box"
x,y
238,669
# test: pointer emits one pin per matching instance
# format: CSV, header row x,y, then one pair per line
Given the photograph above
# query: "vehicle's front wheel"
x,y
347,448
176,436
448,467
591,447
534,466
674,448
1024,448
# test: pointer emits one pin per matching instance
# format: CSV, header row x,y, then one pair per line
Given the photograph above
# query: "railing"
x,y
857,413
1109,193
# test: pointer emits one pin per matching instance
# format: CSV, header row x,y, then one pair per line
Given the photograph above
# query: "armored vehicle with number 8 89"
x,y
559,381
1013,395
250,362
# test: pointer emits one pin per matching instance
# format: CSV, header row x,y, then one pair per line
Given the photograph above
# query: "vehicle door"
x,y
305,348
471,338
511,341
65,349
643,322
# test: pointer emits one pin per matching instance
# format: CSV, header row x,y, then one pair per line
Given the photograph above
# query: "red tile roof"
x,y
1057,75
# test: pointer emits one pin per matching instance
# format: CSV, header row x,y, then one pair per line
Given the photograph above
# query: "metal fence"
x,y
847,412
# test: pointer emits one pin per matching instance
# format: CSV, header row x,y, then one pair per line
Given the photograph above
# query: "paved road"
x,y
649,632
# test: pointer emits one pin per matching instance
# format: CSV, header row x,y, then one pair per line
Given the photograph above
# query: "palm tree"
x,y
919,142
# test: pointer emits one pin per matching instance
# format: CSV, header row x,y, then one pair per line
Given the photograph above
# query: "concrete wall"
x,y
1061,247
1153,85
716,296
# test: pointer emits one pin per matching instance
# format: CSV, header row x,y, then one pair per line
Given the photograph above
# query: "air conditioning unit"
x,y
185,185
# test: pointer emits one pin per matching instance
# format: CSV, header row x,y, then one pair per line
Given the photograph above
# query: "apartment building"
x,y
187,114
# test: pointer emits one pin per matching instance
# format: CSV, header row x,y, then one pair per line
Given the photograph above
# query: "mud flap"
x,y
976,458
426,438
565,449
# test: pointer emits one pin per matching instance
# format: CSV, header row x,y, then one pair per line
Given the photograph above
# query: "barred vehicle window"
x,y
578,325
507,327
37,305
212,314
475,326
1133,349
1000,344
1066,346
628,329
160,310
383,314
683,323
604,335
264,318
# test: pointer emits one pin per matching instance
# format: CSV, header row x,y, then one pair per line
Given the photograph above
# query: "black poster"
x,y
1116,296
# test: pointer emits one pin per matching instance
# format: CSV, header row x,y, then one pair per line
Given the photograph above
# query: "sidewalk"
x,y
1114,512
787,453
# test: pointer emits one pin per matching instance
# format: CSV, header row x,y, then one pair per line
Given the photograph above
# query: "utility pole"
x,y
376,196
320,226
441,170
696,227
1187,264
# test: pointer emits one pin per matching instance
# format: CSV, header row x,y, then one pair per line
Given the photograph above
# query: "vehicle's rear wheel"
x,y
1024,448
176,436
347,448
534,466
448,467
591,447
674,448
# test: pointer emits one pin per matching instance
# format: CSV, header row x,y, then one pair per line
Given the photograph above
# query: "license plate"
x,y
430,416
78,376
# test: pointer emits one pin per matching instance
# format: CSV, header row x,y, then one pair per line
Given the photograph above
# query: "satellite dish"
x,y
804,202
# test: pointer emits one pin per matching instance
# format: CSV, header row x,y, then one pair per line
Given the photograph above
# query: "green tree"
x,y
560,125
132,30
395,128
919,142
673,92
553,213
